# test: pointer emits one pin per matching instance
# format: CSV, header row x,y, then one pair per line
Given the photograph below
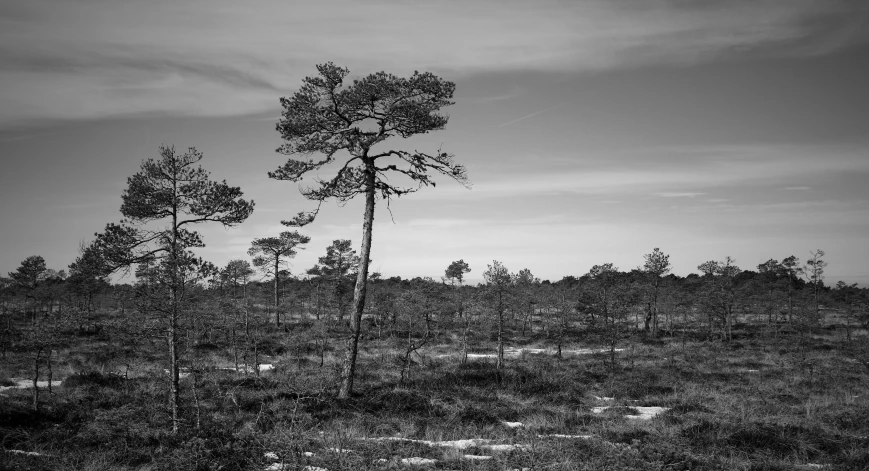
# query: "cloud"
x,y
666,172
797,188
678,194
530,115
93,58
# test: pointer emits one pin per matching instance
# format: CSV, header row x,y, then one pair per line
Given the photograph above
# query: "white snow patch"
x,y
28,383
417,461
588,351
477,356
645,413
182,373
513,424
26,453
247,369
340,450
457,444
270,455
517,352
283,467
606,399
533,351
505,447
561,435
477,457
460,444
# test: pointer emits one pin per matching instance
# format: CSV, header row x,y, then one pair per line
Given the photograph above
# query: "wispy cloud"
x,y
494,98
90,59
530,115
676,172
678,194
17,136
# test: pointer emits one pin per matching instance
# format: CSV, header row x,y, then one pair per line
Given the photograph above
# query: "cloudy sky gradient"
x,y
593,131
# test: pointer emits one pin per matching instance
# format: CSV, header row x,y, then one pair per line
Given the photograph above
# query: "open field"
x,y
795,400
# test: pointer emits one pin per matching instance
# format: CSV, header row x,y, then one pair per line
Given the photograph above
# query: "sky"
x,y
593,131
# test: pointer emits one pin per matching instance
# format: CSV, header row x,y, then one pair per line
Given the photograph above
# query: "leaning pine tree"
x,y
326,118
161,203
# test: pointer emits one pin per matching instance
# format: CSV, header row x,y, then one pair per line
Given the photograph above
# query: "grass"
x,y
753,403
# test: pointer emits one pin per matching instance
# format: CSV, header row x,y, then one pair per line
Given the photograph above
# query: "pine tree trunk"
x,y
465,340
349,368
655,309
196,399
50,370
175,382
500,334
36,379
277,295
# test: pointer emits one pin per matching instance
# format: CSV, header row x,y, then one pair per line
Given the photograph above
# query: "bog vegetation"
x,y
251,367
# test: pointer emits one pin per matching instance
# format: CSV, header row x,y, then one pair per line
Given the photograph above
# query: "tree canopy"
x,y
325,118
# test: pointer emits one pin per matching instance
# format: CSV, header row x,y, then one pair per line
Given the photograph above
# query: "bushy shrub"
x,y
93,379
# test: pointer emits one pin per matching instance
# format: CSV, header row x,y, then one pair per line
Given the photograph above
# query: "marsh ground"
x,y
782,400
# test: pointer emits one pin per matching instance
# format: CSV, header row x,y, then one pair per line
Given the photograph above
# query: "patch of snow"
x,y
752,371
476,356
511,352
645,413
528,351
513,424
247,369
308,454
457,444
460,444
182,373
560,435
28,383
339,450
588,351
607,399
504,447
477,457
26,453
283,467
270,455
417,461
